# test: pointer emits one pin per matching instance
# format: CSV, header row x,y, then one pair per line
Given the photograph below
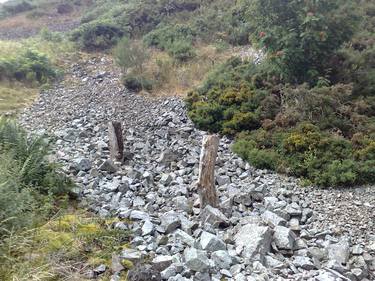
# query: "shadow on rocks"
x,y
143,273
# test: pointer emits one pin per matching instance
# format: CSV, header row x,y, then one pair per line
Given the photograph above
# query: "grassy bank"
x,y
43,236
28,65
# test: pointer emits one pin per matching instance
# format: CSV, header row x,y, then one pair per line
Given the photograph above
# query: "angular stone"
x,y
138,202
168,156
244,198
274,263
294,224
184,237
214,216
168,272
269,202
253,240
273,219
303,262
357,250
147,228
100,269
339,252
294,209
82,164
222,180
166,179
162,262
284,238
143,273
131,255
211,242
108,166
222,259
358,273
196,260
138,215
202,276
329,275
116,264
170,221
182,203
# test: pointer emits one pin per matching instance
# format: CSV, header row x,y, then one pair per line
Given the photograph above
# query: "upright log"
x,y
206,178
116,141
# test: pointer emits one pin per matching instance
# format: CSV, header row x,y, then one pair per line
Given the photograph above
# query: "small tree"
x,y
301,36
131,55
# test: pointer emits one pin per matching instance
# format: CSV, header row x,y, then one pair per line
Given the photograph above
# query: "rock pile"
x,y
265,228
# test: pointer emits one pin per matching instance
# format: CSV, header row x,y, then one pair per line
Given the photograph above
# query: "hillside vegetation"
x,y
307,109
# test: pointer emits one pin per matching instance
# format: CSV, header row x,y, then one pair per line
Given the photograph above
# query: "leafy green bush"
x,y
130,55
165,35
30,66
176,40
182,51
302,36
299,130
137,83
137,17
26,177
98,35
16,7
51,36
307,152
262,159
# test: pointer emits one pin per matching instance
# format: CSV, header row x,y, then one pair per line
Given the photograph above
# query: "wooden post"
x,y
206,178
116,141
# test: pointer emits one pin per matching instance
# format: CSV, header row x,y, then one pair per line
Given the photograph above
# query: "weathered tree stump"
x,y
116,141
206,178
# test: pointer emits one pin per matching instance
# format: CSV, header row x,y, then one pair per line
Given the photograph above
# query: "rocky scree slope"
x,y
267,228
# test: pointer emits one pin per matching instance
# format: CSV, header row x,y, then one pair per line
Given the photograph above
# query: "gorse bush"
x,y
306,151
243,97
26,177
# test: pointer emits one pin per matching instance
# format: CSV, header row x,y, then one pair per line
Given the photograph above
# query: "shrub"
x,y
207,116
182,51
164,36
131,55
97,35
26,177
339,173
51,36
241,121
16,7
137,83
301,37
65,8
307,152
261,159
30,66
